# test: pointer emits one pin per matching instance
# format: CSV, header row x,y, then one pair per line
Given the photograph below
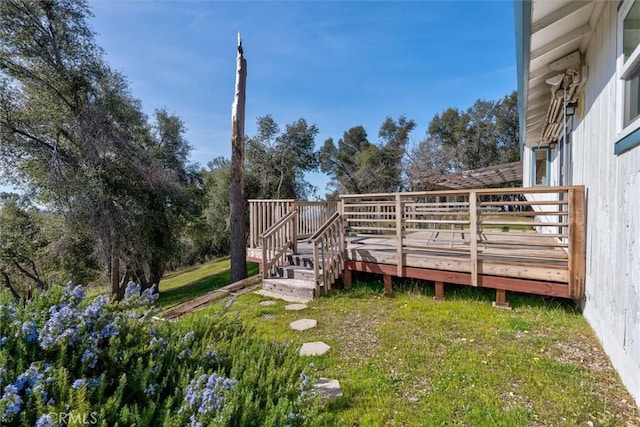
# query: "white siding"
x,y
612,304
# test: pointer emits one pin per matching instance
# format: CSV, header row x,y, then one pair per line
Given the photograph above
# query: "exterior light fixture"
x,y
570,108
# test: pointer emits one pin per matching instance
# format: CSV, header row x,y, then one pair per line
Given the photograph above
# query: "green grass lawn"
x,y
411,361
185,284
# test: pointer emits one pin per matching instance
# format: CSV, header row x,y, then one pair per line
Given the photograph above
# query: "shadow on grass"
x,y
367,285
200,287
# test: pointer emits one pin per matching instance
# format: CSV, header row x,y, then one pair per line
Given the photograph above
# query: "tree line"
x,y
110,195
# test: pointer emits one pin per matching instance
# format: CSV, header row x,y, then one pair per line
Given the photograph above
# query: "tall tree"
x,y
279,159
237,210
394,136
359,166
486,134
71,130
450,128
507,128
427,163
340,161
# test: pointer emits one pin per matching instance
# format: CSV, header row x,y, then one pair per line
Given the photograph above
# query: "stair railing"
x,y
328,253
276,241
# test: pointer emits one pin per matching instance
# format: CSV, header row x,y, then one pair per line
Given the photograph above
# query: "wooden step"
x,y
291,287
296,272
302,260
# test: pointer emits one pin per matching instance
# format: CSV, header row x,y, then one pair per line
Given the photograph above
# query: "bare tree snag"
x,y
237,208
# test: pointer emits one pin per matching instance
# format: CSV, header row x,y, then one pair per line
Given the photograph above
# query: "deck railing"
x,y
328,253
276,241
478,223
264,213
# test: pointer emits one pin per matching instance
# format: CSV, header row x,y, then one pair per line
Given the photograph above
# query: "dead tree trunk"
x,y
238,244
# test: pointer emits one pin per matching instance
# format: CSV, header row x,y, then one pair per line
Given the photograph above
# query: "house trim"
x,y
522,11
627,142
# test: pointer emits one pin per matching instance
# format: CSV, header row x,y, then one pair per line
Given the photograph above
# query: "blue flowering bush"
x,y
69,360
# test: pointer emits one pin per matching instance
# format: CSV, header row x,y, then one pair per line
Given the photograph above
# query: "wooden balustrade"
x,y
312,215
264,213
506,224
328,253
276,241
521,239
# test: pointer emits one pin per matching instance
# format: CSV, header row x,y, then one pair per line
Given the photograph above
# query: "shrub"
x,y
67,360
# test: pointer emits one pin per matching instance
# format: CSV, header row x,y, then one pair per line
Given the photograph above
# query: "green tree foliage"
x,y
359,166
507,128
275,164
278,160
216,181
70,129
486,134
37,250
22,247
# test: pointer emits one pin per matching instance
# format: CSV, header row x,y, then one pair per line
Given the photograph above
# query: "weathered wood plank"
x,y
473,231
577,243
399,235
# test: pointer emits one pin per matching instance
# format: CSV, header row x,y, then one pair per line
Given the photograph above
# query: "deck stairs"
x,y
302,266
295,278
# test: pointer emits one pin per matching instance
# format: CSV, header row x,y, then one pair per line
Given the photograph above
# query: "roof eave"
x,y
522,10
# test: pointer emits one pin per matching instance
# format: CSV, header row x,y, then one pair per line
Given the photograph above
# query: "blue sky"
x,y
336,64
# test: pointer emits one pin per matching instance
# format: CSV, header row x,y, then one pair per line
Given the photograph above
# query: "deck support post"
x,y
388,289
347,278
501,300
439,296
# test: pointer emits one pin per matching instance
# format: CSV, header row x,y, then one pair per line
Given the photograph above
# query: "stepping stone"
x,y
267,303
303,324
316,348
327,388
268,316
295,307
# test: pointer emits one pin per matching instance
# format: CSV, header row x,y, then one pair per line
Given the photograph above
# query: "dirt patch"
x,y
357,335
581,351
586,352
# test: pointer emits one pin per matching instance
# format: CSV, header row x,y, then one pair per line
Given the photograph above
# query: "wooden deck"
x,y
531,267
524,240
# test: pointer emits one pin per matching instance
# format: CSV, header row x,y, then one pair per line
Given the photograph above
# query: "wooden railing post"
x,y
252,228
294,227
265,260
316,275
399,233
577,242
473,235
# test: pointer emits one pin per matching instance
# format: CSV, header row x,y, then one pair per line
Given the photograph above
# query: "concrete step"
x,y
296,272
290,287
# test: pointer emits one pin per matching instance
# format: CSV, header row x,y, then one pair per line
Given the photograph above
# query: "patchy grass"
x,y
183,285
408,360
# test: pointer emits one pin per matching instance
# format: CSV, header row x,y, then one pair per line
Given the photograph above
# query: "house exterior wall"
x,y
612,302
